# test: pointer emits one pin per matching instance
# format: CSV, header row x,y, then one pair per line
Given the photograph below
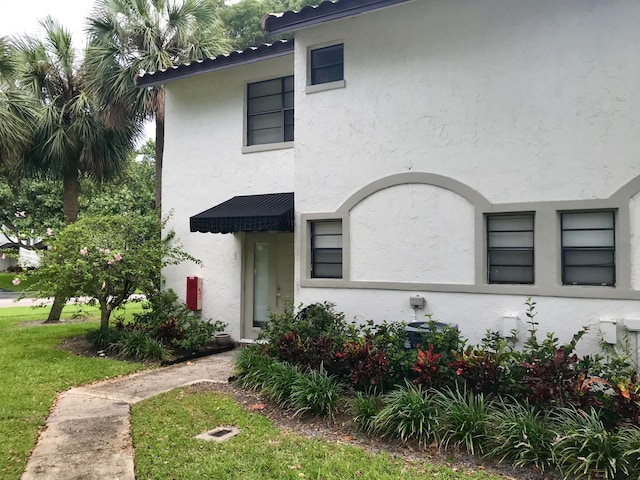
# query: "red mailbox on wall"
x,y
194,293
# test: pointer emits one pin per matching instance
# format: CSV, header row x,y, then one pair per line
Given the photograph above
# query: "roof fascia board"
x,y
155,79
284,25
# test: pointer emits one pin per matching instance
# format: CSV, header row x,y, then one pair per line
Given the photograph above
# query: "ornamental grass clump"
x,y
586,448
363,408
282,377
629,444
316,392
520,434
409,413
253,370
463,419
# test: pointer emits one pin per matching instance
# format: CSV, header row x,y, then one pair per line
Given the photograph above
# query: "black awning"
x,y
272,212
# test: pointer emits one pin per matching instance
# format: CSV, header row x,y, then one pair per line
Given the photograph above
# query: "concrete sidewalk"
x,y
88,435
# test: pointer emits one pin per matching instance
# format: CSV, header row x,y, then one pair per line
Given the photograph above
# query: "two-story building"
x,y
471,152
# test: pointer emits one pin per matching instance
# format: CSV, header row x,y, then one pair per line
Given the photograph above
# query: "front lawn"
x,y
164,427
34,370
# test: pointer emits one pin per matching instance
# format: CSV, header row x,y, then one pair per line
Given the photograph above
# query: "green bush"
x,y
104,339
279,382
585,447
408,413
521,434
629,445
363,408
463,419
315,392
140,346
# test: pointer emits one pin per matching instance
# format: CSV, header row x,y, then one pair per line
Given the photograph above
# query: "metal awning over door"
x,y
271,212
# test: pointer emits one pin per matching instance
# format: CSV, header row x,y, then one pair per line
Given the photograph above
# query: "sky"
x,y
21,16
18,17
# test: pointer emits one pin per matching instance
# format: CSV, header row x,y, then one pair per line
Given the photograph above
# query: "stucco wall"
x,y
404,233
522,101
204,166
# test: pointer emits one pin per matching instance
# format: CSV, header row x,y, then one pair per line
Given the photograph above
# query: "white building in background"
x,y
472,152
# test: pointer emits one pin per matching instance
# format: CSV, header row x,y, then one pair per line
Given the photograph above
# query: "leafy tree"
x,y
71,137
106,258
129,36
242,20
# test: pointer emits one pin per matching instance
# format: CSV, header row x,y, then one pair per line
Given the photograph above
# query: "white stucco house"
x,y
471,152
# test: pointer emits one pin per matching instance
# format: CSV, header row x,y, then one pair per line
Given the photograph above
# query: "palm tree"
x,y
18,110
130,36
71,137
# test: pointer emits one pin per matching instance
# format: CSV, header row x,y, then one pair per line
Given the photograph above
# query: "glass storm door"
x,y
269,267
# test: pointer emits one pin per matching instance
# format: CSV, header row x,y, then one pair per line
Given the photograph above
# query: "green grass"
x,y
33,370
7,278
164,427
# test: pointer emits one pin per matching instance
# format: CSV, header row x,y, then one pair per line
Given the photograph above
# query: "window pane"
x,y
271,135
327,74
511,239
587,220
265,104
327,228
589,276
511,275
511,257
327,241
588,238
327,271
288,100
589,257
328,256
267,120
510,222
288,83
270,87
322,57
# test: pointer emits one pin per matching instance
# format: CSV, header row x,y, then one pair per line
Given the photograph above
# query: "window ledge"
x,y
267,147
323,87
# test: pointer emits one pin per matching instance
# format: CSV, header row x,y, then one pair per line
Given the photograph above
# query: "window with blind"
x,y
510,248
270,111
326,249
588,248
327,64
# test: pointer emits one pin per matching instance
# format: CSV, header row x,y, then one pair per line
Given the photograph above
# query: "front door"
x,y
269,264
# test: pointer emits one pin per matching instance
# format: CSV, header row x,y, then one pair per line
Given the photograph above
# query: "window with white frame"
x,y
326,249
510,248
270,111
327,64
588,248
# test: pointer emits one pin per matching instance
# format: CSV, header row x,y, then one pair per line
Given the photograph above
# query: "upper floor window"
x,y
326,249
327,64
510,248
588,248
270,111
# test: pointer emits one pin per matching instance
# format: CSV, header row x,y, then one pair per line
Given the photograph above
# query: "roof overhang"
x,y
328,10
272,212
247,56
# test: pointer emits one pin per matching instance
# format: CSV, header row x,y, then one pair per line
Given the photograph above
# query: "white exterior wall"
x,y
204,166
516,102
523,102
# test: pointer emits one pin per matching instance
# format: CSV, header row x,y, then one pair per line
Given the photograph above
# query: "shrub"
x,y
364,407
429,368
363,365
104,339
140,346
315,392
390,338
629,444
408,413
520,434
278,384
463,419
586,448
253,369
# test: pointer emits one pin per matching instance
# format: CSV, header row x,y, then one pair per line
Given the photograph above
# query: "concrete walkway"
x,y
88,436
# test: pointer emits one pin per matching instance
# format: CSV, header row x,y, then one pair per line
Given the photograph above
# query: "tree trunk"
x,y
70,194
159,148
105,314
56,310
70,208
